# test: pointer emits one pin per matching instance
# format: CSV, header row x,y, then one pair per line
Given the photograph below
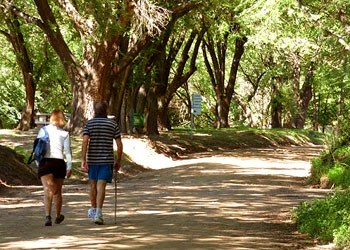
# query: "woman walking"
x,y
53,169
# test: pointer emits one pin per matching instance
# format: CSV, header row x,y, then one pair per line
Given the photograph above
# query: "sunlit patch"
x,y
15,206
61,242
181,187
149,211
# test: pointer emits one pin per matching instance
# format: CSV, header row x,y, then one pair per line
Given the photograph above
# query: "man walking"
x,y
98,136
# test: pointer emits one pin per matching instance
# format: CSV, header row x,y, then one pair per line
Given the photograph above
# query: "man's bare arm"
x,y
117,163
84,147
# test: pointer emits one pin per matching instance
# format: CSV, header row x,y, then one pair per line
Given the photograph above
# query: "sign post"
x,y
195,109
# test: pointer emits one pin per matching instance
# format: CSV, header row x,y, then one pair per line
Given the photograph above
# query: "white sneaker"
x,y
98,219
91,213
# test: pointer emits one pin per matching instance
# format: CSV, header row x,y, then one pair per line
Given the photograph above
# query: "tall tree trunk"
x,y
151,113
15,37
163,116
315,111
216,70
123,117
27,119
276,105
117,95
82,102
180,77
324,112
304,99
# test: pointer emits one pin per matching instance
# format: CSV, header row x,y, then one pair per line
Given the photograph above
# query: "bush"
x,y
333,164
339,175
342,235
327,219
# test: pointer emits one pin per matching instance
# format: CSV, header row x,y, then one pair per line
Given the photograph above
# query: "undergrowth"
x,y
329,219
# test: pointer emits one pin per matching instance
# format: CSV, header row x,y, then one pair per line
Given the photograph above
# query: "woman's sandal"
x,y
59,219
48,221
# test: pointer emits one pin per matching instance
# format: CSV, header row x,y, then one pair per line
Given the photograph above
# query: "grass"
x,y
180,142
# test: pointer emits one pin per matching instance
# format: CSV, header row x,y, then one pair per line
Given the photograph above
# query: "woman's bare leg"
x,y
58,195
49,189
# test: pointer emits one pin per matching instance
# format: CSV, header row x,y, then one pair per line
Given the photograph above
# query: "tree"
x,y
224,89
14,35
166,87
101,27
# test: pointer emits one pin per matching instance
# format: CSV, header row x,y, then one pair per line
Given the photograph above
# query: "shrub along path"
x,y
239,199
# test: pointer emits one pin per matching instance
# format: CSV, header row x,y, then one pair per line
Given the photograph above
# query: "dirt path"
x,y
240,200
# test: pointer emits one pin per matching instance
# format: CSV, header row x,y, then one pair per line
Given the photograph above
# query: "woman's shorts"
x,y
57,167
101,172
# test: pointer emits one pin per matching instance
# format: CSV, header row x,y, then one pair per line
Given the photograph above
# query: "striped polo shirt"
x,y
102,131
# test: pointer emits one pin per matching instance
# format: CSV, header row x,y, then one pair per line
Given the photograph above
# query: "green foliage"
x,y
11,102
339,174
326,219
12,94
332,164
342,234
318,169
277,32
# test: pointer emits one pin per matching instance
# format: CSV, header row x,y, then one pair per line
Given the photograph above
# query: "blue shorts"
x,y
101,172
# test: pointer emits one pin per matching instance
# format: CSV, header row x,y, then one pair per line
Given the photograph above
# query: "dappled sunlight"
x,y
206,203
19,133
17,138
20,205
62,242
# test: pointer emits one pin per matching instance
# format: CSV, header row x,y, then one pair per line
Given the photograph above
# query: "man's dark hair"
x,y
100,108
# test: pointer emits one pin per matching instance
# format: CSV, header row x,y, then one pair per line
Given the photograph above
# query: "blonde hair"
x,y
57,118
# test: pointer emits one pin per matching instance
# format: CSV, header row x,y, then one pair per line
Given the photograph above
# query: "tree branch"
x,y
207,64
133,52
82,25
7,35
319,25
5,5
54,35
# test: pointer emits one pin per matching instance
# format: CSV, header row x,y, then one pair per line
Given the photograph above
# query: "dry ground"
x,y
235,199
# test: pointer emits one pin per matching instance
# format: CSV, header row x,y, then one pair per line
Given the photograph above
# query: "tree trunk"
x,y
315,111
27,119
223,110
123,117
276,105
163,117
151,113
324,112
140,103
82,104
304,99
118,91
15,37
216,69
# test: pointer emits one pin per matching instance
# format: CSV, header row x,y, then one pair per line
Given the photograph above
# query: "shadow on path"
x,y
211,203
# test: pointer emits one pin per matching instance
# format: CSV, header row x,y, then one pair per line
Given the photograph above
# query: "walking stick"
x,y
115,198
